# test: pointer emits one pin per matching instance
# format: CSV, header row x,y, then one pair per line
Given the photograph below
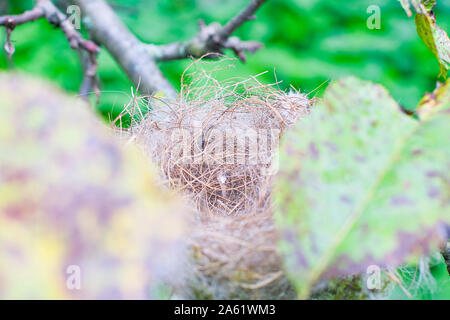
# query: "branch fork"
x,y
211,39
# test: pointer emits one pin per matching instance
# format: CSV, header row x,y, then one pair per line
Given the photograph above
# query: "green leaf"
x,y
431,34
435,39
360,184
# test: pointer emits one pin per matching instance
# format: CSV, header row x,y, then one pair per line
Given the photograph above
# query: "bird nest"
x,y
217,145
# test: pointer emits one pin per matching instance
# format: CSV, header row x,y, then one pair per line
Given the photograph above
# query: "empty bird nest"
x,y
217,145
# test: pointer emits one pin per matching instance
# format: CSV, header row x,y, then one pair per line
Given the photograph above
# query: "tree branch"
x,y
212,38
107,29
28,16
90,81
46,9
244,15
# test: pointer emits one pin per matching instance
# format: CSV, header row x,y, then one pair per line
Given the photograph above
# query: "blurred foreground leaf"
x,y
362,184
74,203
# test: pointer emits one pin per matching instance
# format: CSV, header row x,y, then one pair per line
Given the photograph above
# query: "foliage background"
x,y
307,42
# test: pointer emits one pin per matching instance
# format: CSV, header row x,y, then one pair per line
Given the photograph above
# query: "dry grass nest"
x,y
217,145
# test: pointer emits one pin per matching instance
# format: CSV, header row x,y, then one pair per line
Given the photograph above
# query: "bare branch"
x,y
211,38
28,16
45,8
10,22
59,19
239,47
244,15
200,45
90,83
107,29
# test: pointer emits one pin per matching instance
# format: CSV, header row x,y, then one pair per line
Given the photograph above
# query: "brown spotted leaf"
x,y
80,217
361,183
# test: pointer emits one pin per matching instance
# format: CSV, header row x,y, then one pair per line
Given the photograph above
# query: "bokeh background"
x,y
307,42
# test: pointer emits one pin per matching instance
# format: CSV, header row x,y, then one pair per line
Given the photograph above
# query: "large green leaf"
x,y
431,34
361,183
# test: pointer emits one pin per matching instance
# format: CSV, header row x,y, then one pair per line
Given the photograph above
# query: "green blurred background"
x,y
307,42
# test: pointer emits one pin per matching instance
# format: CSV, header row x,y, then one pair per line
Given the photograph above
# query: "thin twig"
x,y
243,16
11,21
46,9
